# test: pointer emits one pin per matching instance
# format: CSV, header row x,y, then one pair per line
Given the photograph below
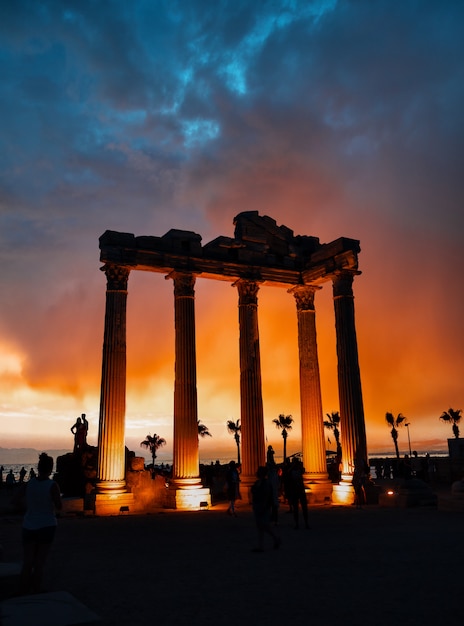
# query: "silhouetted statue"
x,y
79,430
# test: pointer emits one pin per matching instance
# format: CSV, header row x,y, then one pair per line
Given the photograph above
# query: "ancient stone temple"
x,y
260,253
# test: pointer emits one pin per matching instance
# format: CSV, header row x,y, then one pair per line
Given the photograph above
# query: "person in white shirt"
x,y
42,497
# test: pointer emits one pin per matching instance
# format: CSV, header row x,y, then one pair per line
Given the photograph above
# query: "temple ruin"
x,y
260,253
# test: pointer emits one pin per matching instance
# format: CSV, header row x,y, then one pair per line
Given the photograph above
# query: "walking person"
x,y
42,498
297,492
262,502
232,479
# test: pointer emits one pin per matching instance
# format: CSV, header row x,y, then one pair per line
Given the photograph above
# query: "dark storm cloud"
x,y
335,118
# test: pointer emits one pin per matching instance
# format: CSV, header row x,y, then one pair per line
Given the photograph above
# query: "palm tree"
x,y
284,422
152,444
203,430
394,423
234,428
332,423
452,416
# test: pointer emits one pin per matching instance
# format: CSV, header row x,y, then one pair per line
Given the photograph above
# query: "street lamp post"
x,y
409,440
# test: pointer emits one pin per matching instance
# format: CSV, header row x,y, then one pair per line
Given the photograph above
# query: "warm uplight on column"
x,y
251,401
312,427
111,451
186,458
352,426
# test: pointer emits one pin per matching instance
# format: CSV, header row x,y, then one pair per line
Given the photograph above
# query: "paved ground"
x,y
377,566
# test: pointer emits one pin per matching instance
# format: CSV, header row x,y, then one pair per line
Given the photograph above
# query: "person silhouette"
x,y
232,479
10,479
297,492
85,425
270,456
79,430
42,497
262,502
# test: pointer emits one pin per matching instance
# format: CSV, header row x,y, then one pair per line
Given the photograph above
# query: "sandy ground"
x,y
378,566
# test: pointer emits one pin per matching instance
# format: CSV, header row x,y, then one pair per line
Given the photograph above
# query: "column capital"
x,y
247,291
343,283
304,296
184,283
117,276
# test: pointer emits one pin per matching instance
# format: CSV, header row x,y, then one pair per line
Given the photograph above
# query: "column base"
x,y
189,499
114,504
186,483
320,491
111,486
343,493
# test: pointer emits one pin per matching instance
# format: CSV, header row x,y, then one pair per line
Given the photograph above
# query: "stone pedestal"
x,y
113,504
320,492
195,499
343,493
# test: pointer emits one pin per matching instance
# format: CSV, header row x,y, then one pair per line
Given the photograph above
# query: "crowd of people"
x,y
275,484
406,467
10,477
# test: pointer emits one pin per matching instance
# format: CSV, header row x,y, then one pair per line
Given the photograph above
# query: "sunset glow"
x,y
295,110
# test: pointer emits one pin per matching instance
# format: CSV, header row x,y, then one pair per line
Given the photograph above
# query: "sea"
x,y
16,467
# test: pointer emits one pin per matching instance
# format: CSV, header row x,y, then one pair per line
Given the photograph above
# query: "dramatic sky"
x,y
335,118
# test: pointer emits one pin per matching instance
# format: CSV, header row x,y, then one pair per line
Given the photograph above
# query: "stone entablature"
x,y
260,250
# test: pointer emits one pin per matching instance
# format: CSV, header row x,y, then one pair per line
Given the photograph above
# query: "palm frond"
x,y
390,419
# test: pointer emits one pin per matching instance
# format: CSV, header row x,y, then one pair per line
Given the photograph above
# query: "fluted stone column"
x,y
352,426
186,491
111,451
186,459
312,426
251,400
